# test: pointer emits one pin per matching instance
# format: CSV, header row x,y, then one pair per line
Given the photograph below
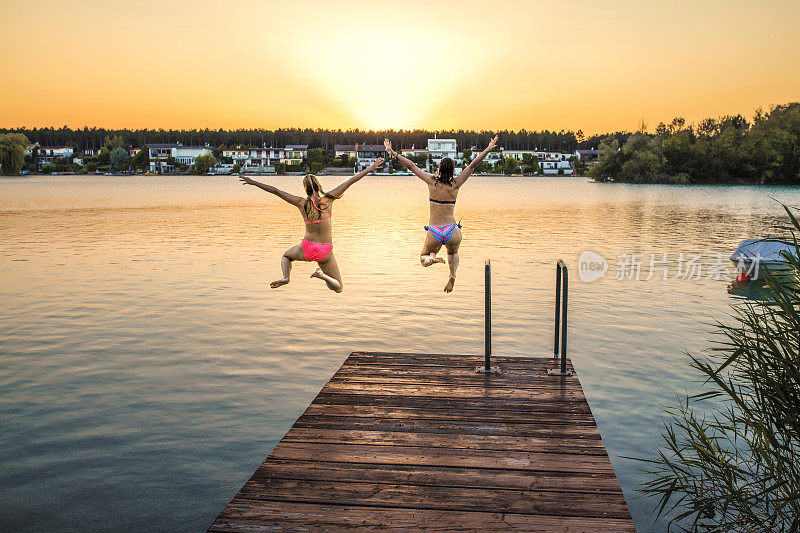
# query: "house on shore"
x,y
48,154
368,154
556,167
441,148
266,157
295,153
518,155
491,158
239,155
350,150
185,155
587,157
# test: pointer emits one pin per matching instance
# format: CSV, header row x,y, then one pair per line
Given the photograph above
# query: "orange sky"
x,y
441,64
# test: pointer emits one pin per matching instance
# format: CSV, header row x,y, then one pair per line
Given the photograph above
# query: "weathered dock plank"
x,y
244,515
423,442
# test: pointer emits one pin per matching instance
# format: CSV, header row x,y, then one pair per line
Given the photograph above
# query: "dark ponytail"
x,y
446,169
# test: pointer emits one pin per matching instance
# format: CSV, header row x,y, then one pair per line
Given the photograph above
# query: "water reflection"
x,y
148,368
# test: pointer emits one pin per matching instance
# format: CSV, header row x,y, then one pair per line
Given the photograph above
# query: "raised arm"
x,y
337,192
465,174
283,195
409,164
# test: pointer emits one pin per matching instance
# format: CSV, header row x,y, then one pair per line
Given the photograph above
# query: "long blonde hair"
x,y
313,190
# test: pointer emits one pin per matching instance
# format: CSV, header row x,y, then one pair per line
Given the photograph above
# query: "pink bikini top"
x,y
313,201
319,221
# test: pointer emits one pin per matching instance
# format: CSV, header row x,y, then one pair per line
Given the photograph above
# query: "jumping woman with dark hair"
x,y
317,210
443,190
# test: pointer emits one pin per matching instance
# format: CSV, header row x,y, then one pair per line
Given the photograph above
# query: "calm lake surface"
x,y
146,368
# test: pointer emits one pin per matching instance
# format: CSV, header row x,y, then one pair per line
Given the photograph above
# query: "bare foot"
x,y
317,274
450,283
432,259
280,282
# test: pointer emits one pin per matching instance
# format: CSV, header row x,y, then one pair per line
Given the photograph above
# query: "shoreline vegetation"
x,y
729,149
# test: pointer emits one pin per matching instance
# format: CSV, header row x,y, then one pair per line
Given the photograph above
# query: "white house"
x,y
491,158
48,154
266,157
255,157
439,148
554,167
185,155
541,155
551,155
519,155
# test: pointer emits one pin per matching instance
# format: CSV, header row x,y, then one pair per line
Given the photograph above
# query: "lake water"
x,y
146,368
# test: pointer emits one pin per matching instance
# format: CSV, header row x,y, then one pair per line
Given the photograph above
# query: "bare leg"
x,y
452,259
294,253
328,272
452,262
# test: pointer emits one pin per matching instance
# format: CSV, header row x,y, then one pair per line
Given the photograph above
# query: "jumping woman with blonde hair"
x,y
442,230
317,211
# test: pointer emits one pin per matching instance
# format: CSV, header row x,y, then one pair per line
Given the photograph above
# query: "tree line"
x,y
728,149
94,138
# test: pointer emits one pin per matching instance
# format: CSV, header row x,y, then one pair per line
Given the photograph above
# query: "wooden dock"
x,y
423,442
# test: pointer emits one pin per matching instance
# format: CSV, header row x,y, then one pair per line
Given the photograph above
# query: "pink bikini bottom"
x,y
316,251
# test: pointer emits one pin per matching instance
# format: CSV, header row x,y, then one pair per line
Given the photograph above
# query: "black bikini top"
x,y
442,201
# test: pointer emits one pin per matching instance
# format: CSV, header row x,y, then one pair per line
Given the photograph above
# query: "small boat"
x,y
753,255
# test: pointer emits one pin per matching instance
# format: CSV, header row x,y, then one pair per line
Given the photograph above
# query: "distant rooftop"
x,y
175,145
371,148
297,147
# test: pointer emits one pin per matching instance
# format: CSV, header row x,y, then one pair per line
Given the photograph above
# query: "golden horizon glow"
x,y
442,65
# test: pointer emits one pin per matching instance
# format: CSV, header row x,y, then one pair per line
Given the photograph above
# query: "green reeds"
x,y
729,456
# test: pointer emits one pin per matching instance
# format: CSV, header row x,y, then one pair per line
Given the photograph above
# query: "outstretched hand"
x,y
388,144
246,181
378,162
493,142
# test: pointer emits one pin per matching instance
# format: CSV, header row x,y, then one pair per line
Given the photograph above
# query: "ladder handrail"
x,y
487,314
560,338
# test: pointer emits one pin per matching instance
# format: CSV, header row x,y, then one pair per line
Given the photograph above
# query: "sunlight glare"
x,y
395,81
